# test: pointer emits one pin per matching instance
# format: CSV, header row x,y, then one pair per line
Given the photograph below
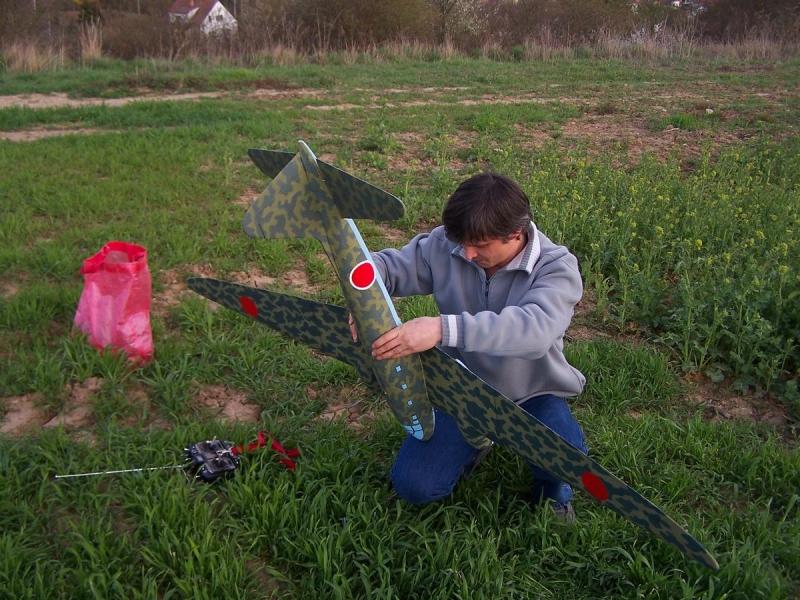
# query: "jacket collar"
x,y
522,261
530,254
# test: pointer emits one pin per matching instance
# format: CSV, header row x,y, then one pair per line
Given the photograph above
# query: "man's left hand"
x,y
416,335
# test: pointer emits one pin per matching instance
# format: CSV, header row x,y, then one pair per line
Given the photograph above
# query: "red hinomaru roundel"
x,y
249,306
595,486
363,275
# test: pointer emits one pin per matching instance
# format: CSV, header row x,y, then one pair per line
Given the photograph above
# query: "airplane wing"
x,y
322,327
489,413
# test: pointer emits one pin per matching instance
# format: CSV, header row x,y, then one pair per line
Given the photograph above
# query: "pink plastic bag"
x,y
114,309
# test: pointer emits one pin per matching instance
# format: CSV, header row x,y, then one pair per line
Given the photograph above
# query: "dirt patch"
x,y
720,403
344,403
78,408
585,325
273,94
298,280
295,279
579,333
412,146
56,100
23,414
38,134
247,197
632,135
328,107
174,288
8,289
392,234
29,414
254,278
227,404
481,100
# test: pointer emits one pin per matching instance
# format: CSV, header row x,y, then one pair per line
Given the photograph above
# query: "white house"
x,y
209,15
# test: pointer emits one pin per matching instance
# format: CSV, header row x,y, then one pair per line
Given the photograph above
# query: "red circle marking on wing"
x,y
363,275
249,306
595,486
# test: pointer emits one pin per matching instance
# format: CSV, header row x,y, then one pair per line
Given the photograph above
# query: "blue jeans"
x,y
428,471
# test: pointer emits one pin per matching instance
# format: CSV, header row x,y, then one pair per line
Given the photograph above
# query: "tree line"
x,y
141,28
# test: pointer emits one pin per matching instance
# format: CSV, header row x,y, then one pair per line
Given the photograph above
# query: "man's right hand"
x,y
416,335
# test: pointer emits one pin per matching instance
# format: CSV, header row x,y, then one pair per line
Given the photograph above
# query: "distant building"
x,y
207,15
696,6
675,3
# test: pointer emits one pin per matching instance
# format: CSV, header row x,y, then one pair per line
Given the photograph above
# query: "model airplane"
x,y
309,198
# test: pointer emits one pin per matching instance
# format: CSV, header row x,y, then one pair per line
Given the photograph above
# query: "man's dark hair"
x,y
484,207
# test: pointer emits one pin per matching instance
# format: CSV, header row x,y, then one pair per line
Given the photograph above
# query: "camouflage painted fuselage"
x,y
299,202
430,378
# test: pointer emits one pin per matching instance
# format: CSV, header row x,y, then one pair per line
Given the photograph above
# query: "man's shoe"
x,y
564,512
473,464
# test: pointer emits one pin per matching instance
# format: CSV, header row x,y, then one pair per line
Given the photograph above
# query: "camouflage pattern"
x,y
308,198
270,162
322,327
355,199
479,409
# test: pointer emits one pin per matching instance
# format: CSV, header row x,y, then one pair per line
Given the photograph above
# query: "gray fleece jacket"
x,y
508,329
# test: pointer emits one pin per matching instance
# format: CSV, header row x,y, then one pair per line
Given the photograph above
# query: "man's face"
x,y
493,253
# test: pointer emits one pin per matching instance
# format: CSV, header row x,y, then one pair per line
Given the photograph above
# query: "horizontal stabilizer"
x,y
352,197
357,199
490,413
271,162
323,327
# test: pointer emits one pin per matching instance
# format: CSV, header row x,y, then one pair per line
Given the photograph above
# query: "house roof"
x,y
185,7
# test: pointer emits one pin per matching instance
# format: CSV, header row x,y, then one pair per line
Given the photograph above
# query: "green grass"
x,y
689,254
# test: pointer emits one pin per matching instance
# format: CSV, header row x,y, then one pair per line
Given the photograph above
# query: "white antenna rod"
x,y
115,472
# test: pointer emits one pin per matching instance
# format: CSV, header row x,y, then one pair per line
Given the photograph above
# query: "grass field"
x,y
675,184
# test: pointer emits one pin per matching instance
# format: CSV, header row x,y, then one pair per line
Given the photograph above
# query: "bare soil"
x,y
344,403
227,404
29,413
595,130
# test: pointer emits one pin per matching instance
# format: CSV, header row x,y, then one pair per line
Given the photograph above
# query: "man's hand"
x,y
416,335
353,328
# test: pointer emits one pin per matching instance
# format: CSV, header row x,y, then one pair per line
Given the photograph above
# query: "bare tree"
x,y
444,10
458,19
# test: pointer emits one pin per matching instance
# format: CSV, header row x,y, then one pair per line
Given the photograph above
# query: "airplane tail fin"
x,y
290,206
302,188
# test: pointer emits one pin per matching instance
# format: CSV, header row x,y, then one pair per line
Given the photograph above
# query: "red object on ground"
x,y
263,440
114,308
